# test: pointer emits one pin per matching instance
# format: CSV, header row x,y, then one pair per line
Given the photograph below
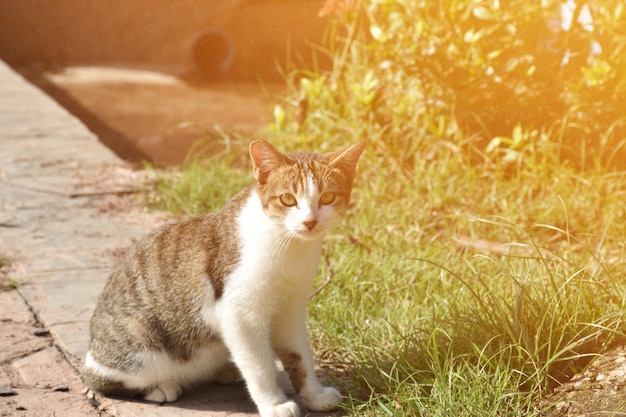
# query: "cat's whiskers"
x,y
284,240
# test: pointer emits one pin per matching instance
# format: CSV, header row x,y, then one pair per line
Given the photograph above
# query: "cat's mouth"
x,y
306,234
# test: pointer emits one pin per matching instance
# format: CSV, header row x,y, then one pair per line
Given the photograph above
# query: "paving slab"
x,y
56,182
49,227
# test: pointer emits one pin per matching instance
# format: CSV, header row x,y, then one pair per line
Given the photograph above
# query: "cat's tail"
x,y
117,383
110,387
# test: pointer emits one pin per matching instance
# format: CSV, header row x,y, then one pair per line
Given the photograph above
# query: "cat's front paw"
x,y
286,409
165,392
325,399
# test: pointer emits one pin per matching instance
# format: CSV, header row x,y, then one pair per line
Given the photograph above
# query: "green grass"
x,y
454,291
482,260
488,311
201,185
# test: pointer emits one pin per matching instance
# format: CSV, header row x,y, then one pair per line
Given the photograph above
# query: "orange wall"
x,y
155,31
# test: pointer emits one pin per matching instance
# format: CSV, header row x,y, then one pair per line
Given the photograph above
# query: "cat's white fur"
x,y
158,366
281,272
257,324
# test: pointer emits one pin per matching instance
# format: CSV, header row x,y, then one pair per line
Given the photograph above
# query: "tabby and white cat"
x,y
219,296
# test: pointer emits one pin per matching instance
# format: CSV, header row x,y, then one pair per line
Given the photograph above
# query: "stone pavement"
x,y
57,183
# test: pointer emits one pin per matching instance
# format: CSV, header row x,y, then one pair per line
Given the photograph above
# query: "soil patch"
x,y
35,378
599,390
154,114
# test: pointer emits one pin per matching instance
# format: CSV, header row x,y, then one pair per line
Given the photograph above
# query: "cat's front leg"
x,y
302,375
250,347
293,348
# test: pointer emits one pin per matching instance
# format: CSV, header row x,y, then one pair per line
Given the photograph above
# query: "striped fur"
x,y
194,297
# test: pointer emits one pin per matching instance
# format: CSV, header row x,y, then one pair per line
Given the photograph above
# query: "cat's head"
x,y
305,193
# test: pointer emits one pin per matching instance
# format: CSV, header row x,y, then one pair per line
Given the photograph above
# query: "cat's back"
x,y
179,253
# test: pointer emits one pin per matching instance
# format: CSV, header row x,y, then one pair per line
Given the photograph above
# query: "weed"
x,y
6,282
481,262
203,185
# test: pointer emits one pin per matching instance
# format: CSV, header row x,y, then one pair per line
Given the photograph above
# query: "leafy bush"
x,y
471,71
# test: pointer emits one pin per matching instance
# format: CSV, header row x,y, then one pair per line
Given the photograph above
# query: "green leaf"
x,y
483,13
518,135
378,34
279,117
472,36
494,144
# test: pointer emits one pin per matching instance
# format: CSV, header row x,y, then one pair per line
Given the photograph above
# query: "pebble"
x,y
579,384
41,332
7,392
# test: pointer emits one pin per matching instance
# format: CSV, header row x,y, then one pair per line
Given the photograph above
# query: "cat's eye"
x,y
288,200
327,197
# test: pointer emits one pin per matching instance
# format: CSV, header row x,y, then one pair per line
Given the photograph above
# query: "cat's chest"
x,y
271,256
266,249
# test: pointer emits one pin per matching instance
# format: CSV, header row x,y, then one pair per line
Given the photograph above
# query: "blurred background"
x,y
152,77
239,39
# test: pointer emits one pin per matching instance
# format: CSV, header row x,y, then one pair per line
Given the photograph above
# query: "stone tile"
x,y
16,341
47,382
14,309
43,369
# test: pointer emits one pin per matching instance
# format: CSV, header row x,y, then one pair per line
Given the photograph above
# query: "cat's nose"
x,y
310,224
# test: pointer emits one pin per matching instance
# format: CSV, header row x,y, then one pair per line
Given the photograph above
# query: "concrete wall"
x,y
160,32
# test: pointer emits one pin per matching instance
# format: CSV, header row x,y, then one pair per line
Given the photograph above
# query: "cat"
x,y
220,296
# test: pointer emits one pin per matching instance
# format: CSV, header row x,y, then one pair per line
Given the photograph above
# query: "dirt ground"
x,y
157,115
599,390
138,114
35,379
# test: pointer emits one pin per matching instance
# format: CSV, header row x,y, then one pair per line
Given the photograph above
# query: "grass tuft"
x,y
482,261
201,184
454,292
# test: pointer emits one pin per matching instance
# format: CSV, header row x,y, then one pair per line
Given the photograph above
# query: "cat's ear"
x,y
346,158
265,159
